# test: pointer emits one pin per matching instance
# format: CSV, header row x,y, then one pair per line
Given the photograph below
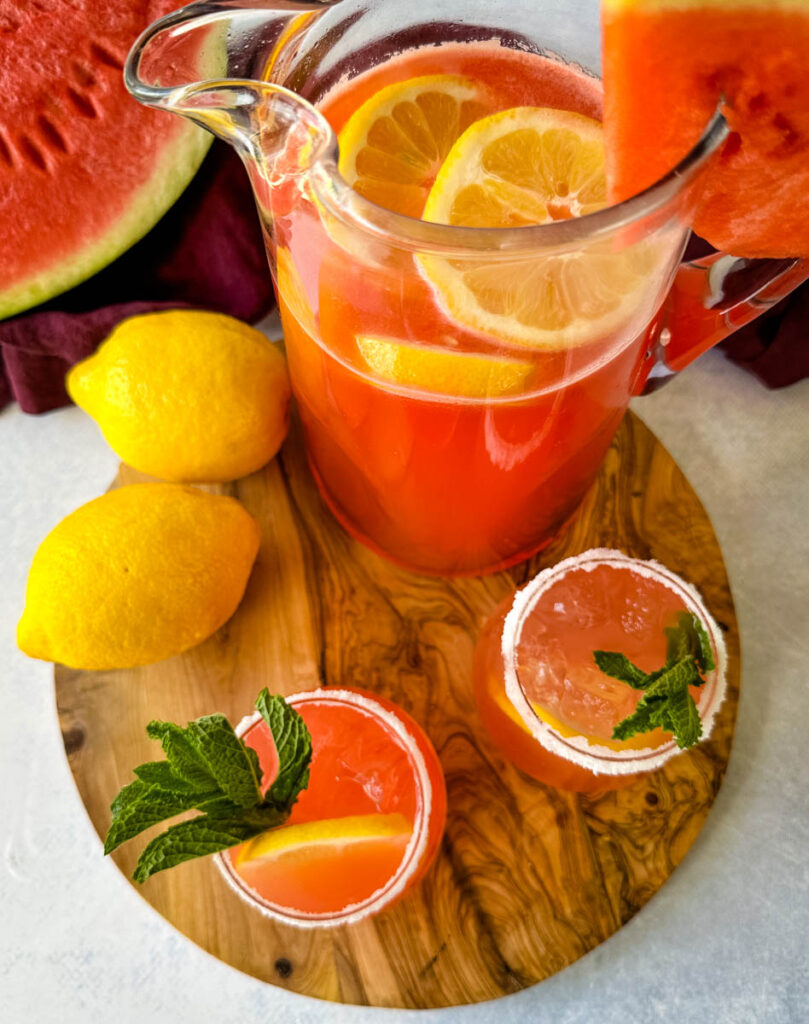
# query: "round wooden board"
x,y
528,878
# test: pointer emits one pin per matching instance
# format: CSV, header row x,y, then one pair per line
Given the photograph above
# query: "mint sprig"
x,y
666,702
210,769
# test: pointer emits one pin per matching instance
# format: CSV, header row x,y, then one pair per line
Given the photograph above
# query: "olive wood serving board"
x,y
528,878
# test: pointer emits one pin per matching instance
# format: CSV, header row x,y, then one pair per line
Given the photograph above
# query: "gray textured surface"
x,y
724,941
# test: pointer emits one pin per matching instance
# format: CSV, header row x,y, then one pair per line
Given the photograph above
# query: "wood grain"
x,y
528,878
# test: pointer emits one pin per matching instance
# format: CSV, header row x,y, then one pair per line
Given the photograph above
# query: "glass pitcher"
x,y
455,411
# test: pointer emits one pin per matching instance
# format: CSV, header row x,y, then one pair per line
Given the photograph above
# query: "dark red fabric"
x,y
775,347
207,252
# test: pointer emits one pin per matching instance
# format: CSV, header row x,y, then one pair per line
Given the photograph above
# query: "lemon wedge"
x,y
317,837
639,742
392,146
450,373
524,166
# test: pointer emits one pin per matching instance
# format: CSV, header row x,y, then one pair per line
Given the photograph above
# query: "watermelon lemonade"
x,y
575,717
364,830
456,412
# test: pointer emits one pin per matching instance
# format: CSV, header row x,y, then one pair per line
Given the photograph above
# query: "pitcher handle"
x,y
710,299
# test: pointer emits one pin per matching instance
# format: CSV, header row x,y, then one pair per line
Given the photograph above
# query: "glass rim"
x,y
415,850
577,749
408,233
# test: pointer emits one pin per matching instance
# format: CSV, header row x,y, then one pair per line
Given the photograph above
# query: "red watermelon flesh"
x,y
667,64
85,170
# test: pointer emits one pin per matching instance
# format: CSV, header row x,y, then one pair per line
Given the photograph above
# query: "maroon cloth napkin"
x,y
206,252
774,346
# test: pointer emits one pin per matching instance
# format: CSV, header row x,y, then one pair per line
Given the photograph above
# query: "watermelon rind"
x,y
175,166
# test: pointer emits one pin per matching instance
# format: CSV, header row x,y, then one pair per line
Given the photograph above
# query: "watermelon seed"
x,y
32,153
51,134
83,104
5,152
83,75
790,137
105,56
758,103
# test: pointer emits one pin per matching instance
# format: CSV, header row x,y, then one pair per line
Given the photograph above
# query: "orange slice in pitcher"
x,y
392,147
525,166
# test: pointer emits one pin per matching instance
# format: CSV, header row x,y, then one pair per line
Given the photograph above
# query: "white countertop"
x,y
725,941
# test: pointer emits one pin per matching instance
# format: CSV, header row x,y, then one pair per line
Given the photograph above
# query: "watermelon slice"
x,y
667,64
85,170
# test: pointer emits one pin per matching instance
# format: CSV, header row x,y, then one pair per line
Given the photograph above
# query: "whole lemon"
x,y
186,395
137,575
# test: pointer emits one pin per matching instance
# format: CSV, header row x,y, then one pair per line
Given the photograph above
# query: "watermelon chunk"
x,y
667,64
85,170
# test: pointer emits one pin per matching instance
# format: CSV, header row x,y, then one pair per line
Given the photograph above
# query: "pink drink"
x,y
540,693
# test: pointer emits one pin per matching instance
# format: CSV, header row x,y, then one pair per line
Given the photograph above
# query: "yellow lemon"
x,y
446,372
187,395
393,145
137,575
524,166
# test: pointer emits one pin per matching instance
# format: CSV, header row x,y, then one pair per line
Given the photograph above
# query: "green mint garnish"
x,y
666,702
210,769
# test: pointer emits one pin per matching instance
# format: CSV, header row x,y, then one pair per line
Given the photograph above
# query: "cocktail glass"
x,y
539,692
441,479
376,799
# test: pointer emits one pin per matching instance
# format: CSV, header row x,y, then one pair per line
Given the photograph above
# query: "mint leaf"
x,y
666,702
141,809
231,763
160,773
210,769
184,759
689,637
704,653
685,721
220,807
680,676
202,836
620,667
198,837
128,795
677,644
293,744
639,721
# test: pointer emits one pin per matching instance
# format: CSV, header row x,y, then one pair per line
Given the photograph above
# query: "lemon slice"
x,y
533,165
450,373
639,742
298,841
392,147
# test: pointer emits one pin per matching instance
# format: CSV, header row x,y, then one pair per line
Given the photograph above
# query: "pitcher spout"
x,y
209,63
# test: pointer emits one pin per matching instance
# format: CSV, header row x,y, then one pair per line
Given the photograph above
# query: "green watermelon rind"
x,y
175,166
